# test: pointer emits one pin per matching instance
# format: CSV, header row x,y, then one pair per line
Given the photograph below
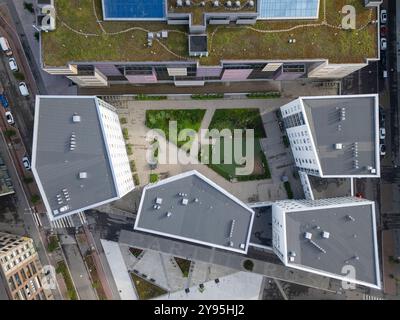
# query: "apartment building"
x,y
335,237
21,270
79,157
191,42
334,136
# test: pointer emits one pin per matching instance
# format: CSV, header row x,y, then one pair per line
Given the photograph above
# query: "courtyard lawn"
x,y
238,119
145,289
186,119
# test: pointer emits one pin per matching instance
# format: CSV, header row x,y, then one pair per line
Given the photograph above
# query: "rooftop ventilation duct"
x,y
82,175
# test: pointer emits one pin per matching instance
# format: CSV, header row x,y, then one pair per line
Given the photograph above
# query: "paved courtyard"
x,y
279,158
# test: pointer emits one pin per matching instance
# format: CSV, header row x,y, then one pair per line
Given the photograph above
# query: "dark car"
x,y
383,60
381,117
384,31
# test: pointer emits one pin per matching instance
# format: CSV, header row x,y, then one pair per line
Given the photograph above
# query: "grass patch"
x,y
154,177
146,97
184,265
145,289
207,96
53,243
248,265
135,251
263,95
288,189
186,119
62,269
28,6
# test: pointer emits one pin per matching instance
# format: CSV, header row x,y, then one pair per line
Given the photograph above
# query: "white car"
x,y
26,163
383,16
13,64
383,44
10,118
382,133
23,89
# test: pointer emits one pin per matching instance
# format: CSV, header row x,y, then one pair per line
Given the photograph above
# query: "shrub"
x,y
35,199
28,179
263,95
288,189
136,179
125,133
19,76
37,36
123,120
207,96
132,165
153,177
286,141
53,244
10,133
248,265
29,6
146,97
129,150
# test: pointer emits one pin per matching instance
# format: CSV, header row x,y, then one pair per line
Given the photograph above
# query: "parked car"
x,y
383,44
4,101
382,117
383,16
23,89
13,64
382,133
26,163
382,149
10,118
384,74
383,60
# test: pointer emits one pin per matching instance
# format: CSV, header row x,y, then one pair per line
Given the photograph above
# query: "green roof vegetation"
x,y
80,37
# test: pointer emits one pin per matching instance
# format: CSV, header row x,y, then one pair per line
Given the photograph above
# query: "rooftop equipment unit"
x,y
338,146
231,243
187,2
232,228
216,3
185,201
158,200
237,3
76,118
251,3
169,213
317,246
351,218
229,4
291,259
179,3
325,234
196,200
242,246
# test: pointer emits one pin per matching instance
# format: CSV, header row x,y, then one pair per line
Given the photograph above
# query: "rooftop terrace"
x,y
79,37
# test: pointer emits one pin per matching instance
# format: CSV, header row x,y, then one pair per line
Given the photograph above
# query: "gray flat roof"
x,y
207,220
58,167
261,231
349,243
360,125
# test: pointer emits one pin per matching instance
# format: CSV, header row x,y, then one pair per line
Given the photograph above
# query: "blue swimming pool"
x,y
288,9
134,9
